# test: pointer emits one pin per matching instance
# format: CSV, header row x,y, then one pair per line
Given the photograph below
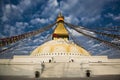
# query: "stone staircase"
x,y
62,70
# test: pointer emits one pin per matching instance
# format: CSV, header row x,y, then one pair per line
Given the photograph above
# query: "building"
x,y
58,58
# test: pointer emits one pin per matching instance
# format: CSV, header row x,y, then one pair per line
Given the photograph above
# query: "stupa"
x,y
59,58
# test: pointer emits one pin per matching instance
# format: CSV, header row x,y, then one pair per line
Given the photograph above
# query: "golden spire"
x,y
60,30
60,43
60,17
60,14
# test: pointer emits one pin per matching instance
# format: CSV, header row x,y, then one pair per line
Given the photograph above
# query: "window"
x,y
37,74
72,60
50,61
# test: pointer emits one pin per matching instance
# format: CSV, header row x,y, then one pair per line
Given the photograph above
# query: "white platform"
x,y
60,66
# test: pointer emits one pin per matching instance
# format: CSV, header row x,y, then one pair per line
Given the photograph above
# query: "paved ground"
x,y
108,77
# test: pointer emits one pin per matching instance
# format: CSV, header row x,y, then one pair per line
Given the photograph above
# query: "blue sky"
x,y
21,16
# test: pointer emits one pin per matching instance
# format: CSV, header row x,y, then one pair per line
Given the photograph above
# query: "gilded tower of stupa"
x,y
60,44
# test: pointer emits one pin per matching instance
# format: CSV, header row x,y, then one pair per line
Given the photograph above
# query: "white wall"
x,y
27,65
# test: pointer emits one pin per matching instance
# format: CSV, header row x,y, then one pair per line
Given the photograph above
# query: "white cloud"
x,y
68,19
4,18
9,8
117,18
25,4
2,36
114,17
38,21
110,24
53,2
18,28
9,30
71,8
71,19
88,11
21,24
16,11
10,11
86,20
51,9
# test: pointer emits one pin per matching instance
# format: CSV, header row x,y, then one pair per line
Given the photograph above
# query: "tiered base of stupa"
x,y
59,66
